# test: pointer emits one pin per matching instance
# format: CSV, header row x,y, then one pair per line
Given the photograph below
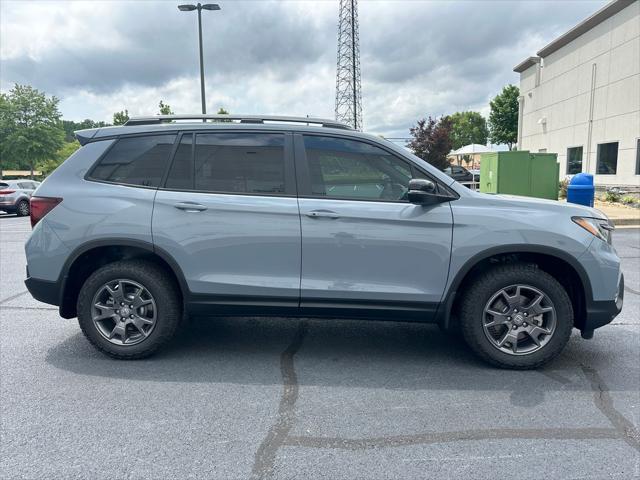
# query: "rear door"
x,y
364,246
228,215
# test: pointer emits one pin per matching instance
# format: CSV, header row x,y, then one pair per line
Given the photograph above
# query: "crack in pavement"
x,y
266,455
454,436
604,402
278,435
12,297
11,307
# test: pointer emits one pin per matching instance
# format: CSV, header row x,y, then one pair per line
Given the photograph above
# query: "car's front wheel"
x,y
129,309
516,316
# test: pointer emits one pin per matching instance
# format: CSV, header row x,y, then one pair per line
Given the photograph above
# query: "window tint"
x,y
181,173
607,158
350,169
24,185
574,160
240,163
136,160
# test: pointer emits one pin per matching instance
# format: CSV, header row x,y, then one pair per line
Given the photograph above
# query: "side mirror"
x,y
424,192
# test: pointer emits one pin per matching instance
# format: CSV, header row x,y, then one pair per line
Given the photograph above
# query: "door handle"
x,y
190,207
322,214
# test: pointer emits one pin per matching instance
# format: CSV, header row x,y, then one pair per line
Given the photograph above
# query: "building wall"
x,y
566,95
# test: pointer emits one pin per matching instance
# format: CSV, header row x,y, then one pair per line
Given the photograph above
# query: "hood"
x,y
531,203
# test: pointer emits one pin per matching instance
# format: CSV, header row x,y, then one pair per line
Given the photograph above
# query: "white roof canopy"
x,y
471,149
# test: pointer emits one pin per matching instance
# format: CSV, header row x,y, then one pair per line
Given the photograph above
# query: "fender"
x,y
120,242
443,314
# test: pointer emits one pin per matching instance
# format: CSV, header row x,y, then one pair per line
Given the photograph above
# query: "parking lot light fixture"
x,y
199,7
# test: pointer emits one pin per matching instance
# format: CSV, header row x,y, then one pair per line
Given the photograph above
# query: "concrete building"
x,y
580,97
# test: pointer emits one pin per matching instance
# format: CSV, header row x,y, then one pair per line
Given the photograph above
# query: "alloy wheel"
x,y
124,312
519,319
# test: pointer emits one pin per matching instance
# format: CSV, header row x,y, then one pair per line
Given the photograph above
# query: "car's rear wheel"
x,y
22,208
129,309
516,316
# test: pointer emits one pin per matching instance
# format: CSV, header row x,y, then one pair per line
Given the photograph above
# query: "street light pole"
x,y
204,104
200,7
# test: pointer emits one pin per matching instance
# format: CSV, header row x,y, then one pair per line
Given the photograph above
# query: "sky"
x,y
418,58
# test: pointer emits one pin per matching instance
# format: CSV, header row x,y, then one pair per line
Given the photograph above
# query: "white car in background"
x,y
15,195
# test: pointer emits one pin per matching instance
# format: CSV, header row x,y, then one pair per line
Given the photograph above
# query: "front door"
x,y
364,246
228,215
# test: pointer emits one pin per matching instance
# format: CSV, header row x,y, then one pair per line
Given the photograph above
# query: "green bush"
x,y
612,196
629,200
564,185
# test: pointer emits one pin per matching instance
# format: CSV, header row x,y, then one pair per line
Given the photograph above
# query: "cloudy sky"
x,y
418,57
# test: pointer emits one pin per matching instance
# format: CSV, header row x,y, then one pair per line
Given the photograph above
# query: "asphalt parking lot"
x,y
335,399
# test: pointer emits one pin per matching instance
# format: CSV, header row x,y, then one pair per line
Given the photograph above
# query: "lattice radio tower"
x,y
348,95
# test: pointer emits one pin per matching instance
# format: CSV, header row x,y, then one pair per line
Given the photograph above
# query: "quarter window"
x,y
349,169
607,158
574,160
239,163
136,161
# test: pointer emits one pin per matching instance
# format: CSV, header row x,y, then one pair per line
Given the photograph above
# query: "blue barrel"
x,y
581,189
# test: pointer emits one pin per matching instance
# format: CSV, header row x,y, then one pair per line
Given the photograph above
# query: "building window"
x,y
638,156
607,158
574,160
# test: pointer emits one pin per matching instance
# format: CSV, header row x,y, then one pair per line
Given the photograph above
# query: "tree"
x,y
432,141
70,126
120,118
30,126
503,119
165,109
222,111
67,149
467,128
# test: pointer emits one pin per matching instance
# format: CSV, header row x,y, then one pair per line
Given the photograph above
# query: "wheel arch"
x,y
92,255
562,266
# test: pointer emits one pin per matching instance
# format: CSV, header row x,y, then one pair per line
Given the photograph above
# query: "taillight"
x,y
7,192
40,206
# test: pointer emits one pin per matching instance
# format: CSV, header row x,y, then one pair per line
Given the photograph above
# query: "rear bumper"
x,y
602,313
44,290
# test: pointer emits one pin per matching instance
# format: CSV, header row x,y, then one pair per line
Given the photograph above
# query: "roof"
x,y
103,133
173,123
529,62
606,12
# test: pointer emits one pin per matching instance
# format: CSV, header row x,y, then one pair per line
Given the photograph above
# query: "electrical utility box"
x,y
520,173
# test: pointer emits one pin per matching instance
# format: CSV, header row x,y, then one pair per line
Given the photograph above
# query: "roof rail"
x,y
255,119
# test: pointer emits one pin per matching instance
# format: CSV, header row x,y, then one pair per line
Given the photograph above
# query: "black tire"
x,y
23,209
159,284
481,290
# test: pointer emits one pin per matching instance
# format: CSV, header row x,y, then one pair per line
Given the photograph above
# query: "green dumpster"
x,y
520,173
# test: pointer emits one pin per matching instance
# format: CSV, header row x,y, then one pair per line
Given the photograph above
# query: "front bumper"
x,y
601,313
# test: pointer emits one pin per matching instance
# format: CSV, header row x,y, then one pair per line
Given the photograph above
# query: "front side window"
x,y
136,161
350,169
607,158
239,163
574,160
638,157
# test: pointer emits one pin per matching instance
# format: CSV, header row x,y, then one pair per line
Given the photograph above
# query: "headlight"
x,y
598,227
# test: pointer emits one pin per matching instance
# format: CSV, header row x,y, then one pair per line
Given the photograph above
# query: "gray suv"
x,y
245,215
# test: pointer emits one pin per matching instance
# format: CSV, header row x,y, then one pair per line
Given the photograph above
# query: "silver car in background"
x,y
15,195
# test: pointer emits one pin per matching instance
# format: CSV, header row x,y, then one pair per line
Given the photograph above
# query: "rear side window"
x,y
136,161
230,163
